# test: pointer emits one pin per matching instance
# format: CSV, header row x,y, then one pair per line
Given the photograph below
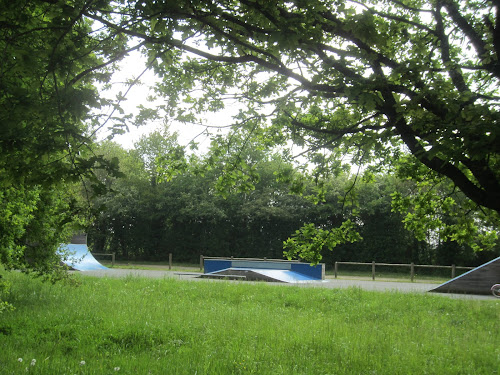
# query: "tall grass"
x,y
151,326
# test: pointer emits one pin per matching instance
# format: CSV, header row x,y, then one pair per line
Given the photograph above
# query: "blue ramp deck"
x,y
78,257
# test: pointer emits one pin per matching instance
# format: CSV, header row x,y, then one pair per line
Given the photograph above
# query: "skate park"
x,y
281,272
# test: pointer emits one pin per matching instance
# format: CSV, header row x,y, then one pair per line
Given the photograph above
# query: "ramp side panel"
x,y
80,258
476,281
315,272
214,265
259,274
247,272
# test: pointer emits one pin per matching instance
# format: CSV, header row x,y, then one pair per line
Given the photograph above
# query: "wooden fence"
x,y
412,267
373,264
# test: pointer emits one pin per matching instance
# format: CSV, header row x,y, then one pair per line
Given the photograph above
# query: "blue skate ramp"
x,y
271,271
78,257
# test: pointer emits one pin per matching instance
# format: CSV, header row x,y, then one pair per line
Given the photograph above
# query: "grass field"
x,y
167,326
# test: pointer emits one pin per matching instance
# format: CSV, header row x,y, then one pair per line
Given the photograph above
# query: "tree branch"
x,y
486,198
340,132
397,18
454,73
466,27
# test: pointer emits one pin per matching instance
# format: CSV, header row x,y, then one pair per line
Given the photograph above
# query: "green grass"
x,y
169,326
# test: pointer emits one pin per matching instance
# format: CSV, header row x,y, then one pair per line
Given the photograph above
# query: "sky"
x,y
131,67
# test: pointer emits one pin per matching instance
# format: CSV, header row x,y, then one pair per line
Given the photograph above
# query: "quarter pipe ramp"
x,y
78,257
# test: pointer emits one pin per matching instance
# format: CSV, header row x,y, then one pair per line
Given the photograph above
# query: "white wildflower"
x,y
117,369
33,362
19,360
82,363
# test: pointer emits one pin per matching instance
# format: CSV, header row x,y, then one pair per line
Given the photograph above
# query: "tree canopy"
x,y
365,76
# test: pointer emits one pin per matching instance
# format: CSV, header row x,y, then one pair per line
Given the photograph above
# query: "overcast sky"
x,y
131,67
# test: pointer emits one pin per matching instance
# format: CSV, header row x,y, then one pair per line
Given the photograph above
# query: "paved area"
x,y
329,283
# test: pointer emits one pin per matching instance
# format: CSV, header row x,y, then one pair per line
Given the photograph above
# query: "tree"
x,y
43,107
50,64
44,103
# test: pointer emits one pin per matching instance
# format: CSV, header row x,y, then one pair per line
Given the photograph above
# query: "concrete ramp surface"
x,y
269,275
79,258
284,276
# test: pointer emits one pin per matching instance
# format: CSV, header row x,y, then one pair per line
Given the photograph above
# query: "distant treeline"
x,y
141,218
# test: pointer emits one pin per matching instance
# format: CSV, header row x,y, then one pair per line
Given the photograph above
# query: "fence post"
x,y
112,259
169,261
373,270
336,269
201,263
453,269
412,271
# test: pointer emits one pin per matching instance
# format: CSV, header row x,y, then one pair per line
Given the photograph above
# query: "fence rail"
x,y
253,259
412,267
373,264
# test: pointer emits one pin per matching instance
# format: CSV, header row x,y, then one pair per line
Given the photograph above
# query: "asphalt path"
x,y
383,286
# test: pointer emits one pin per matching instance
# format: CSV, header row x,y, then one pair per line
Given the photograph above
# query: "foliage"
x,y
48,68
44,101
146,216
308,242
368,79
33,223
366,74
434,207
